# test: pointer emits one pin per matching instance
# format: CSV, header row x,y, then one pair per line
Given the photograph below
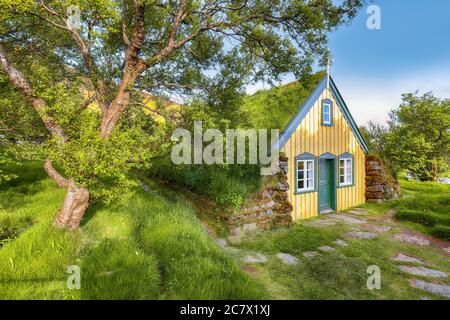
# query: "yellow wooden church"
x,y
326,153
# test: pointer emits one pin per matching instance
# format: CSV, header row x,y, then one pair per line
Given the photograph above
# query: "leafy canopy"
x,y
89,78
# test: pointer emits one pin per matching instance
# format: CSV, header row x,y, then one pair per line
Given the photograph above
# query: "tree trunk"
x,y
73,209
75,203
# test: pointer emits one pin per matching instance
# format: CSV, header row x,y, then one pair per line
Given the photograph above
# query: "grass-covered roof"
x,y
273,108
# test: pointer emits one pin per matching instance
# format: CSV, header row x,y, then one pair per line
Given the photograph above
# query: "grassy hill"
x,y
273,108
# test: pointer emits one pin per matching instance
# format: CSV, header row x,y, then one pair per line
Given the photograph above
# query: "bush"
x,y
227,185
441,231
425,218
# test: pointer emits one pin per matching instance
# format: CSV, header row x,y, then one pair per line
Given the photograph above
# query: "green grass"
x,y
426,205
151,248
341,274
273,108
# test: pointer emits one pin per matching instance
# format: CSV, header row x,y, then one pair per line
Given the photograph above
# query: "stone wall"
x,y
380,185
268,208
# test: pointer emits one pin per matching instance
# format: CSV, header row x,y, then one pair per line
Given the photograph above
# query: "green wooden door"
x,y
326,184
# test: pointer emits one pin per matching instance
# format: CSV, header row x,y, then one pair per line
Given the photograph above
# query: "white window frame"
x,y
348,172
309,175
327,104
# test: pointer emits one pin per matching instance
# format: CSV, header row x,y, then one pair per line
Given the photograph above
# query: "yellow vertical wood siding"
x,y
311,137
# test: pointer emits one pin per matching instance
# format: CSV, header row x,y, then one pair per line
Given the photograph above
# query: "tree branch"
x,y
58,178
21,83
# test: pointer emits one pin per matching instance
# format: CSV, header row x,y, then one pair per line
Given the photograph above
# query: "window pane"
x,y
300,184
310,183
341,179
310,165
300,165
300,174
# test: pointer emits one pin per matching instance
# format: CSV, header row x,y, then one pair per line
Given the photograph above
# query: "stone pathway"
x,y
320,223
221,242
326,248
255,257
346,219
361,235
376,228
438,289
310,254
405,258
412,239
424,272
288,259
341,243
358,212
358,228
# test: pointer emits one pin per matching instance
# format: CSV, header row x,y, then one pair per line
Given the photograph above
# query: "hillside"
x,y
273,108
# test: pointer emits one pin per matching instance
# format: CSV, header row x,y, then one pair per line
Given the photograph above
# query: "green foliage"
x,y
228,185
441,231
272,109
215,51
5,161
100,164
419,137
425,218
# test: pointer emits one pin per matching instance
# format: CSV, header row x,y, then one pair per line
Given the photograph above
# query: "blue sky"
x,y
372,68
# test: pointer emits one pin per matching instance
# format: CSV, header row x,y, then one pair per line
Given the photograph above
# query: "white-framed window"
x,y
326,113
345,171
305,175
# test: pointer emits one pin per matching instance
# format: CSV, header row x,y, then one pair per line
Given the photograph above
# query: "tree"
x,y
116,49
419,136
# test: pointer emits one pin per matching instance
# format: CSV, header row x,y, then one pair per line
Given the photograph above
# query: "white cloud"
x,y
372,99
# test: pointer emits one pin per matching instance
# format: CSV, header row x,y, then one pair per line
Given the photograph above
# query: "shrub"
x,y
425,218
228,185
441,231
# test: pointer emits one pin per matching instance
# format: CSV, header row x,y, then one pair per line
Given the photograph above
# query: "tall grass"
x,y
150,248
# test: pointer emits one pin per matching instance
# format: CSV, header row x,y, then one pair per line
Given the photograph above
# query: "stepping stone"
x,y
341,243
221,242
412,239
310,254
232,250
346,219
438,289
375,228
361,235
326,248
358,212
447,250
234,239
320,223
405,258
425,272
287,259
255,258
